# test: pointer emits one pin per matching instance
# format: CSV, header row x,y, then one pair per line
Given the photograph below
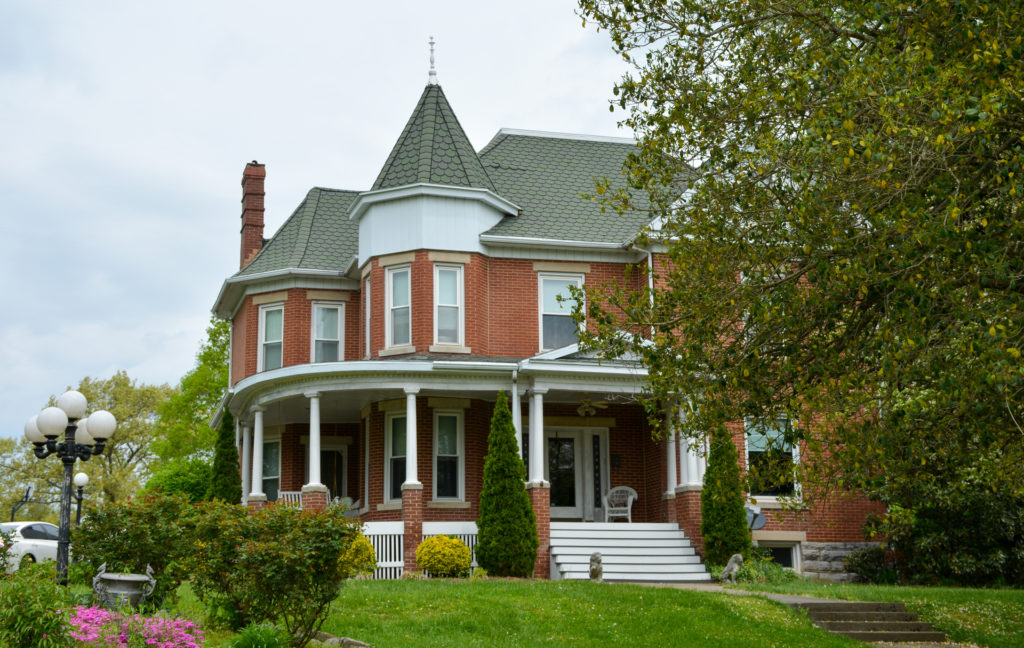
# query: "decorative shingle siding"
x,y
433,149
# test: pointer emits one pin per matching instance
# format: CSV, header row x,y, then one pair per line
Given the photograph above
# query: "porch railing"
x,y
389,543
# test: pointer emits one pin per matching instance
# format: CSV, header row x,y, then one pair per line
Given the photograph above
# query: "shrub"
x,y
444,556
874,565
188,477
261,635
507,529
153,529
359,558
224,482
5,553
279,563
93,626
724,521
760,568
34,609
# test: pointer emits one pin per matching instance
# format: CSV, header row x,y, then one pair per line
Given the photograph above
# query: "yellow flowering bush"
x,y
359,558
444,556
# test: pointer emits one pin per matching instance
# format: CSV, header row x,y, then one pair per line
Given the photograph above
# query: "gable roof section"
x,y
433,149
546,174
317,236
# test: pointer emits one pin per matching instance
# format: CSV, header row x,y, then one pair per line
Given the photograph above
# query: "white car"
x,y
30,542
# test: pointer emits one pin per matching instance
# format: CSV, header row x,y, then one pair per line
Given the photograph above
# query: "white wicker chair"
x,y
618,503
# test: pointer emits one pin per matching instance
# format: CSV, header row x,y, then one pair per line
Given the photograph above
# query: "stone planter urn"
x,y
119,590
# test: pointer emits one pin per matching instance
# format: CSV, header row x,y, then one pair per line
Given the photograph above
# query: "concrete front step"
x,y
648,552
870,621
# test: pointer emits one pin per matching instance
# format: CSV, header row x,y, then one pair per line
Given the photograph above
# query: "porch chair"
x,y
618,503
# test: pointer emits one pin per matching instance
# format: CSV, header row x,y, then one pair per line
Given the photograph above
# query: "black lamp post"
x,y
83,438
81,479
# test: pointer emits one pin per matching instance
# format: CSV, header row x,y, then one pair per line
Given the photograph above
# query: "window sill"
x,y
449,348
390,506
398,350
442,504
773,503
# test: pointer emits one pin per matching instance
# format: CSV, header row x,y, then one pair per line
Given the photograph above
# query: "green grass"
x,y
993,618
545,613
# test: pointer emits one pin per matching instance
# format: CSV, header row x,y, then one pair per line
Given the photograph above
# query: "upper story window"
x,y
770,458
449,456
557,329
328,324
449,316
399,318
271,337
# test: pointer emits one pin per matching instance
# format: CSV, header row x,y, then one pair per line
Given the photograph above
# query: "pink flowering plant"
x,y
95,627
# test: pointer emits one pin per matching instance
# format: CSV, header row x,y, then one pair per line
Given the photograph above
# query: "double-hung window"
x,y
557,328
399,320
394,467
271,336
271,469
448,304
449,462
328,324
770,458
366,319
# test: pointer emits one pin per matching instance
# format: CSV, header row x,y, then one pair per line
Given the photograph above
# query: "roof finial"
x,y
432,80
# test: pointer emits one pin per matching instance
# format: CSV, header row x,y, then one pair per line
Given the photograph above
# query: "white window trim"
x,y
460,292
461,444
366,319
264,309
312,328
389,498
774,501
541,276
391,271
794,546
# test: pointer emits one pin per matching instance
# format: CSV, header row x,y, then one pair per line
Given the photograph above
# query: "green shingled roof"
x,y
433,148
546,174
317,236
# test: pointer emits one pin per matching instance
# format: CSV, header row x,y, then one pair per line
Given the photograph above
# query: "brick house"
x,y
372,332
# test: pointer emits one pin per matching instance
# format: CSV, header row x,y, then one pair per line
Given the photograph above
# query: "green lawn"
x,y
993,618
545,613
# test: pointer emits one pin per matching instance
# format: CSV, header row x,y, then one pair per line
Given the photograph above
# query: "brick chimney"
x,y
252,211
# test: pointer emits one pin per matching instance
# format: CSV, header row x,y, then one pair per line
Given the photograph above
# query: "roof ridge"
x,y
606,139
305,228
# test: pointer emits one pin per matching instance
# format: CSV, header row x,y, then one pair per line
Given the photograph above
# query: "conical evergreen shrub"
x,y
507,528
225,483
723,518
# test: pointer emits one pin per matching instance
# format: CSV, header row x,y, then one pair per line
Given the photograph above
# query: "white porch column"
x,y
670,464
517,415
411,475
314,438
536,472
246,462
257,457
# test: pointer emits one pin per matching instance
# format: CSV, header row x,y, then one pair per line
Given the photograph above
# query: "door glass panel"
x,y
596,439
562,471
332,471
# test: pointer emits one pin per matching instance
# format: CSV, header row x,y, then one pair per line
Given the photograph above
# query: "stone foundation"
x,y
824,560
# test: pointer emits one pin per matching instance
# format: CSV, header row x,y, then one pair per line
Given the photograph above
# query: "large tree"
x,y
113,475
183,421
837,185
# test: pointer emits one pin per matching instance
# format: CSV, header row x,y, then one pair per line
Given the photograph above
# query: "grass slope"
x,y
545,613
988,617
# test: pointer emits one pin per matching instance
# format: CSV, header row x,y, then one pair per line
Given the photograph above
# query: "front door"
x,y
576,465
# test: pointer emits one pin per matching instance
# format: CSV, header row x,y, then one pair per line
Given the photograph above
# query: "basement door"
x,y
576,465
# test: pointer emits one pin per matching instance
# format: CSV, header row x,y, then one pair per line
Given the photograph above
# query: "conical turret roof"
x,y
433,149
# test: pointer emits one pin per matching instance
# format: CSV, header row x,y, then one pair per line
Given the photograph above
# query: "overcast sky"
x,y
125,126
